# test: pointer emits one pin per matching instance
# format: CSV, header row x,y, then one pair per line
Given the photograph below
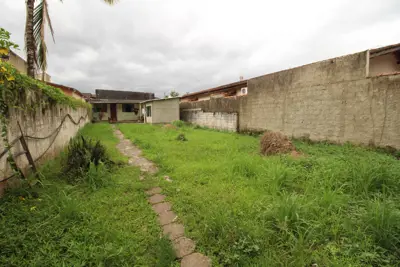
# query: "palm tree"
x,y
36,20
29,38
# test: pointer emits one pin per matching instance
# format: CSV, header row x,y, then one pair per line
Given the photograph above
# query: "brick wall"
x,y
216,120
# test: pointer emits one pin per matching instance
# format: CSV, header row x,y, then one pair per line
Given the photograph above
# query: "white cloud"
x,y
157,45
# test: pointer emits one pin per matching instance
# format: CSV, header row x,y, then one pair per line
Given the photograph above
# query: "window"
x,y
148,111
100,108
127,108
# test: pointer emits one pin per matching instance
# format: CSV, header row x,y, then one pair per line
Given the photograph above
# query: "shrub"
x,y
178,123
181,137
81,154
97,177
275,143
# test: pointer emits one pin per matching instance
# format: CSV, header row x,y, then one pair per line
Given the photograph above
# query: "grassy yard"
x,y
58,224
336,206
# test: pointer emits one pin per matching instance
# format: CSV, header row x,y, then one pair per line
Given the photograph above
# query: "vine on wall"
x,y
26,94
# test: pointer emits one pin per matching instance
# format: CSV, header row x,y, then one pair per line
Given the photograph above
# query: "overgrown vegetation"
x,y
178,123
59,224
181,137
26,94
88,161
333,206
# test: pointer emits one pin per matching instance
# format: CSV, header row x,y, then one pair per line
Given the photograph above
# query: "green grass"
x,y
58,224
337,206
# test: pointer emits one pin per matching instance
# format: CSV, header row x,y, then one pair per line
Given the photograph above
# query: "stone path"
x,y
184,247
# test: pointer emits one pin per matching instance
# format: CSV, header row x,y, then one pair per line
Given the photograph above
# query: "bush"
x,y
181,137
178,123
82,155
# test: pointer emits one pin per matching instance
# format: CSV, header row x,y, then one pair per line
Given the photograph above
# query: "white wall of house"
x,y
96,115
127,116
163,111
121,114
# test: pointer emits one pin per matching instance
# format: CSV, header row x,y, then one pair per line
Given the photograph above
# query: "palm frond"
x,y
111,2
41,17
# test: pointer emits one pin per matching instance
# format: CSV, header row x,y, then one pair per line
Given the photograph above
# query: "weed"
x,y
181,137
83,158
338,206
67,225
178,123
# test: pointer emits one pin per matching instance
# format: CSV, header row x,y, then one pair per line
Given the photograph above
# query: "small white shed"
x,y
161,110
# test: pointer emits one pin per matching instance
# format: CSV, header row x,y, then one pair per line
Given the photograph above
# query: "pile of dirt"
x,y
275,143
170,126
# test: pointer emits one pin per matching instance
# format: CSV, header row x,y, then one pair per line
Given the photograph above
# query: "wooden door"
x,y
113,109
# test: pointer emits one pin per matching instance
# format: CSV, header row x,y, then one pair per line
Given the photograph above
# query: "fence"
x,y
22,140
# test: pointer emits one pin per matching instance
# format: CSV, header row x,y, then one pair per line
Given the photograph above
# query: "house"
x,y
88,96
161,110
228,90
68,91
20,64
116,106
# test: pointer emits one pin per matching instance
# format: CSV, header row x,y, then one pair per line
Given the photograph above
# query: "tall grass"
x,y
60,224
335,206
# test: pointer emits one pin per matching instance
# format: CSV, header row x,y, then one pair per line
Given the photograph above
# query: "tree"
x,y
36,20
5,43
173,93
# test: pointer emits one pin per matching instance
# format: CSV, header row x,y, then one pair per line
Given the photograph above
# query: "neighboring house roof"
x,y
217,89
123,95
385,49
113,101
160,99
63,87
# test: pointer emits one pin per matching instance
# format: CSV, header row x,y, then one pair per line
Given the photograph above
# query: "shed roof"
x,y
65,88
216,89
113,101
160,99
384,50
123,95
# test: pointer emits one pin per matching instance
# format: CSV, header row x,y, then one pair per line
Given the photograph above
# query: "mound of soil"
x,y
275,143
169,126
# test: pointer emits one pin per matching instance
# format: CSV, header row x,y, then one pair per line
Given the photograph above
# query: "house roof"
x,y
385,49
63,87
216,89
160,99
123,95
113,101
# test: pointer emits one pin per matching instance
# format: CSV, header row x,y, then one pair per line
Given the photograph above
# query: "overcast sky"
x,y
190,45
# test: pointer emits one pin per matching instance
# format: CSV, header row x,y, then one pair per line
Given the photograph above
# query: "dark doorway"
x,y
113,109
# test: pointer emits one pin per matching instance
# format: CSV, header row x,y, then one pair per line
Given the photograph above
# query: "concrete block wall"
x,y
41,123
329,100
215,120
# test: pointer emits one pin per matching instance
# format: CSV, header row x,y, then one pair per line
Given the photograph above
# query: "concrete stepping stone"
x,y
174,230
183,246
157,198
153,191
196,260
161,207
167,217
